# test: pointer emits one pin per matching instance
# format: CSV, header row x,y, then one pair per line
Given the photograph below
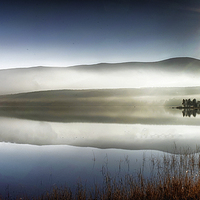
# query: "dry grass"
x,y
171,177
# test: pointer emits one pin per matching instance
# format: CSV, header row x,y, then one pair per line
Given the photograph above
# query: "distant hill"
x,y
174,72
103,97
174,64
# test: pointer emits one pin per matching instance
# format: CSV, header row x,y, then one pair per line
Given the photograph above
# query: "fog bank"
x,y
177,72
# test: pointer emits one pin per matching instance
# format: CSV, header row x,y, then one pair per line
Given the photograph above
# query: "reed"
x,y
172,176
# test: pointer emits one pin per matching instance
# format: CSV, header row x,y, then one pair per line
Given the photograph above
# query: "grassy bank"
x,y
171,177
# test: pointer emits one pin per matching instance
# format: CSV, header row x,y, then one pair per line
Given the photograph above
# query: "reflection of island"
x,y
190,107
189,112
95,118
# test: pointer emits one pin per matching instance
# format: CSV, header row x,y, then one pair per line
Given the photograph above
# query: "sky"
x,y
67,33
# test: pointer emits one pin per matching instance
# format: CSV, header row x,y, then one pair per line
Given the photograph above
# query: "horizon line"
x,y
100,63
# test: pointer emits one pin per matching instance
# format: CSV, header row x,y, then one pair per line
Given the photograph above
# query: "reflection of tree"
x,y
189,112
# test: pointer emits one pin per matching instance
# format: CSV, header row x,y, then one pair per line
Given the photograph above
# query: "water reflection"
x,y
190,112
100,135
104,127
155,115
32,170
45,119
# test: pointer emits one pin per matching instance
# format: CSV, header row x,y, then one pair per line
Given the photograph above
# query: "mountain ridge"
x,y
181,60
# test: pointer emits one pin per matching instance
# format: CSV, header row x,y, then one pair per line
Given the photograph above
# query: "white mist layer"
x,y
99,77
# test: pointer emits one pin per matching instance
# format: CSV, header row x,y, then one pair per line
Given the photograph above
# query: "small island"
x,y
190,107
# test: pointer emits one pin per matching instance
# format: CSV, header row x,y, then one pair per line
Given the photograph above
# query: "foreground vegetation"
x,y
172,176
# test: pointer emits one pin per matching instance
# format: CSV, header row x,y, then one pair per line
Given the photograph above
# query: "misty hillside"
x,y
176,72
103,97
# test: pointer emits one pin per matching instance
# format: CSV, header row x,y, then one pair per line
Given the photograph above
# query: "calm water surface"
x,y
42,147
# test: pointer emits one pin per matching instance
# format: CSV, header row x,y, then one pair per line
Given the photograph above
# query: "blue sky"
x,y
66,33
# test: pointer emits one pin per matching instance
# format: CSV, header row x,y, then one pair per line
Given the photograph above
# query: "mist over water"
x,y
62,124
121,128
60,120
120,118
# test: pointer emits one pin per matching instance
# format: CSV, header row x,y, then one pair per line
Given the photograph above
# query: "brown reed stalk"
x,y
171,177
